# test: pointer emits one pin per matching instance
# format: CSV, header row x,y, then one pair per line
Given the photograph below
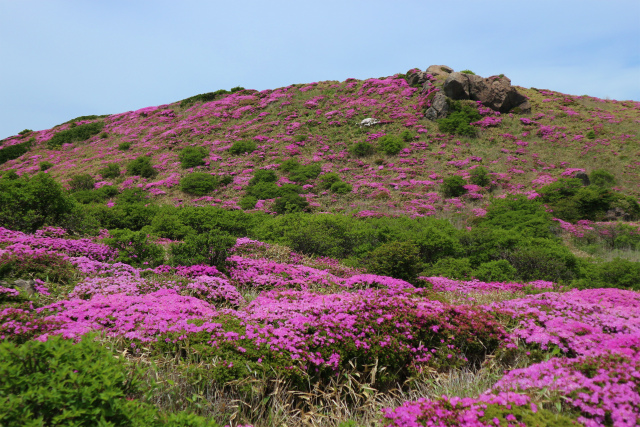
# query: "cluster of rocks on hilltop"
x,y
495,92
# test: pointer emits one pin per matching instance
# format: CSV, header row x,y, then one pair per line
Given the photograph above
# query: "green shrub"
x,y
437,241
328,179
289,165
14,151
141,167
135,248
59,383
395,259
520,215
75,134
362,149
82,182
190,157
236,89
543,259
44,266
27,204
289,203
459,119
602,178
168,224
264,190
263,175
468,72
304,173
452,268
619,273
209,248
495,271
112,170
391,145
45,166
407,135
591,135
480,176
242,147
248,202
25,131
453,186
341,187
203,97
124,146
198,183
132,195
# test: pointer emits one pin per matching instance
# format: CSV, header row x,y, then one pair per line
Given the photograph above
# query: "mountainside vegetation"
x,y
257,257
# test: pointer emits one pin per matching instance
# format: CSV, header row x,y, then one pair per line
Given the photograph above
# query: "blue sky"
x,y
63,59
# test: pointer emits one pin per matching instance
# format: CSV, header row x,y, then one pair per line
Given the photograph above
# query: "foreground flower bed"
x,y
310,325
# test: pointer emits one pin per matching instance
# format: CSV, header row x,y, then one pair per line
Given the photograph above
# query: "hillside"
x,y
429,248
317,123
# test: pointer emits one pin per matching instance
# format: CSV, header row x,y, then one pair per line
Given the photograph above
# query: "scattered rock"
x,y
369,122
27,286
417,78
439,107
439,70
494,92
618,213
584,178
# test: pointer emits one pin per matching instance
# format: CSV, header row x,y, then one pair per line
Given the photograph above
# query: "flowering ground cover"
x,y
267,258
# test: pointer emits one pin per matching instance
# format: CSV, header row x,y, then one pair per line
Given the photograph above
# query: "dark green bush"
x,y
59,383
209,248
468,72
14,151
87,196
263,175
407,135
44,266
141,167
328,179
543,259
459,119
304,173
75,134
198,183
395,259
290,202
619,273
25,131
82,182
27,204
390,144
289,165
520,215
602,178
112,170
207,218
362,149
341,187
264,190
135,248
591,135
132,195
495,271
190,157
437,241
45,166
124,146
453,186
242,147
480,176
453,268
203,97
248,202
168,224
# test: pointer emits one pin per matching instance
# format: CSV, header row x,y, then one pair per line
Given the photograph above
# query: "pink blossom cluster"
x,y
443,284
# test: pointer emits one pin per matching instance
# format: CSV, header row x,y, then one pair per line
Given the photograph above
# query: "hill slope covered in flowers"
x,y
262,258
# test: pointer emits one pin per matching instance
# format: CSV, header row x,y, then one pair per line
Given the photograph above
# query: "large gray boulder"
x,y
494,92
439,70
27,286
439,107
417,78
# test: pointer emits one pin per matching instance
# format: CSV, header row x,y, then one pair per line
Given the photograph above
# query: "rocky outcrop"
x,y
439,107
439,70
416,78
494,92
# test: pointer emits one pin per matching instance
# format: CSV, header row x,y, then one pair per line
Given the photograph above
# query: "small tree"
x,y
198,183
453,186
190,157
141,167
